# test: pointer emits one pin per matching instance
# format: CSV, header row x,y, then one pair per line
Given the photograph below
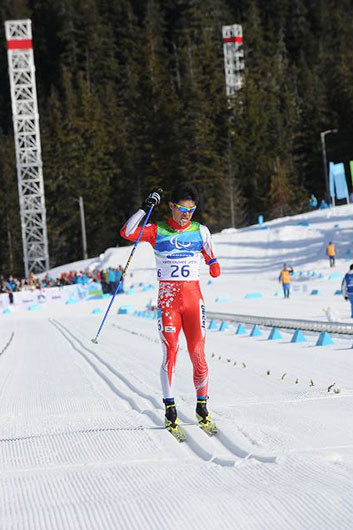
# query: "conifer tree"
x,y
10,227
132,95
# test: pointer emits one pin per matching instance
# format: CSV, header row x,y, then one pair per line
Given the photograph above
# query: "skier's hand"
x,y
346,298
153,199
215,269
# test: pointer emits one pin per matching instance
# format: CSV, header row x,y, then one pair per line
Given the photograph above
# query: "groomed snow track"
x,y
82,443
219,450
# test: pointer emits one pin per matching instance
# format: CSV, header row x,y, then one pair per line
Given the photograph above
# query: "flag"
x,y
339,176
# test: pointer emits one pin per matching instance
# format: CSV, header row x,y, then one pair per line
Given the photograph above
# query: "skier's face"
x,y
182,212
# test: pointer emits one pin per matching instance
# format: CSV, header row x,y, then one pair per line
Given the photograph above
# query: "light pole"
x,y
323,145
83,227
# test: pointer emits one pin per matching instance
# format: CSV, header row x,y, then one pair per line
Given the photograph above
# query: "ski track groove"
x,y
7,344
221,437
196,445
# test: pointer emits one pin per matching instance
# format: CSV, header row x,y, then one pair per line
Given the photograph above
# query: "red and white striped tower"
x,y
27,143
233,57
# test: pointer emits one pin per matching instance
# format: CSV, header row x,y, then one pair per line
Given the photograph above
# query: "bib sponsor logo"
x,y
180,255
203,315
169,329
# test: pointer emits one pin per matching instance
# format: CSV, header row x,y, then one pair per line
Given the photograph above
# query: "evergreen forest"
x,y
132,97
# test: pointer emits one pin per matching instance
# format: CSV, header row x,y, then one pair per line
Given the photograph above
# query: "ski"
x,y
177,432
209,427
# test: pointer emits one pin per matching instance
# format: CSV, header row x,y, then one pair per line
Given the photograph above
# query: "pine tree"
x,y
10,228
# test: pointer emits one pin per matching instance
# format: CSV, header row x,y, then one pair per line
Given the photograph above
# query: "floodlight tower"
x,y
234,67
27,144
233,57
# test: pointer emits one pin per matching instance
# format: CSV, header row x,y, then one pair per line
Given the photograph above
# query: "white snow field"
x,y
82,443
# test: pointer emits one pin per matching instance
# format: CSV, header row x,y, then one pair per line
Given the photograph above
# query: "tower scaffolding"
x,y
233,57
27,144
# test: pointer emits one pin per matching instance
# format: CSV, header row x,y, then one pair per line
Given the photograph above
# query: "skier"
x,y
178,244
331,252
285,278
347,287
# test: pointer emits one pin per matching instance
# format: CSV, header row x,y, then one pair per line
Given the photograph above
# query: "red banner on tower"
x,y
237,39
19,44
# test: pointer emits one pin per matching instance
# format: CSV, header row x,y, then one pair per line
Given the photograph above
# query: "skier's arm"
x,y
344,289
208,252
131,229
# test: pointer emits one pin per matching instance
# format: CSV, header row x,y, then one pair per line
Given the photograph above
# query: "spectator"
x,y
313,201
347,287
118,274
108,279
6,288
111,280
323,205
331,252
285,278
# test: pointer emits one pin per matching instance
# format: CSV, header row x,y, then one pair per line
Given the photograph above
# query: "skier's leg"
x,y
194,326
351,301
169,325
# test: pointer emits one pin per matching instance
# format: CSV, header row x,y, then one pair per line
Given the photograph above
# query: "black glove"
x,y
346,297
153,199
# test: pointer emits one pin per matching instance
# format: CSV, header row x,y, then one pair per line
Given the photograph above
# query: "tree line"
x,y
132,96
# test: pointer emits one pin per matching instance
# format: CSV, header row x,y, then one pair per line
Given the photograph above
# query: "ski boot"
x,y
204,418
171,421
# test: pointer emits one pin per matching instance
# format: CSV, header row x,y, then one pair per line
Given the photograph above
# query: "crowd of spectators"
x,y
108,278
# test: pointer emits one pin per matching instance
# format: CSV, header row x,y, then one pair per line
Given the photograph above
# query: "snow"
x,y
82,443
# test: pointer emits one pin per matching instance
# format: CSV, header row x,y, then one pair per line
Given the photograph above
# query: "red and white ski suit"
x,y
178,250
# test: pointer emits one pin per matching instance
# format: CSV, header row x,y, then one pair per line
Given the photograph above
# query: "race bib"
x,y
178,254
178,269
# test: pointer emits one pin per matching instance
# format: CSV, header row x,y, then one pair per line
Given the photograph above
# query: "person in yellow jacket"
x,y
331,252
285,278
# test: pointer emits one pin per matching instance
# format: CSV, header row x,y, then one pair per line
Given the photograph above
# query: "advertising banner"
x,y
340,181
52,295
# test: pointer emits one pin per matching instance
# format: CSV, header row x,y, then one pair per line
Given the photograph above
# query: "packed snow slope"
x,y
82,443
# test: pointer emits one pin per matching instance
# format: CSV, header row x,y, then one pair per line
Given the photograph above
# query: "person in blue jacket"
x,y
347,287
118,274
111,280
313,201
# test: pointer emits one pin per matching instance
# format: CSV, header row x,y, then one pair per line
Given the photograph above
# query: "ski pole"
x,y
124,271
